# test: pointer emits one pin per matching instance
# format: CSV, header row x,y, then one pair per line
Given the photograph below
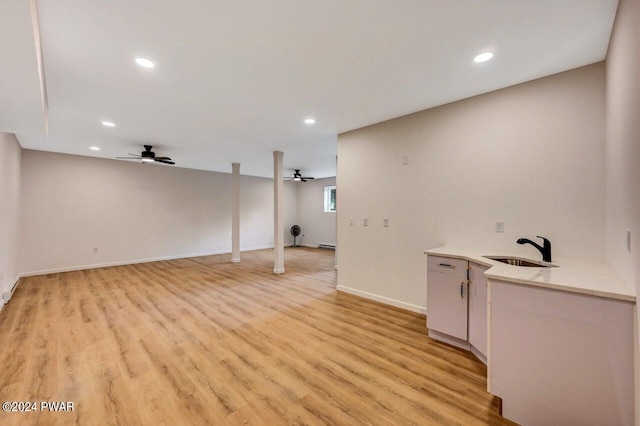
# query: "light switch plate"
x,y
365,221
385,222
499,227
351,221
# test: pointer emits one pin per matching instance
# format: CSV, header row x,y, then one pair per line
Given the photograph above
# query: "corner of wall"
x,y
10,171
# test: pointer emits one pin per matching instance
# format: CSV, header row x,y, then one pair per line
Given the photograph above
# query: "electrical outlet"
x,y
499,227
405,160
365,221
95,249
385,222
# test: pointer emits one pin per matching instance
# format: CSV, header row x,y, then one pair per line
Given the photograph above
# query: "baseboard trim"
x,y
478,354
132,262
383,299
16,281
14,286
450,340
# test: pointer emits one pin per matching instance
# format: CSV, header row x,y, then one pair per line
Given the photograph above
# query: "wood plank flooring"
x,y
206,341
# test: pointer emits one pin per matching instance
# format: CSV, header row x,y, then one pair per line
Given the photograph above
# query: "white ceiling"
x,y
234,80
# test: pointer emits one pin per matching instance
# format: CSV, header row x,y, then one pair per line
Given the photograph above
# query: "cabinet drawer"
x,y
447,265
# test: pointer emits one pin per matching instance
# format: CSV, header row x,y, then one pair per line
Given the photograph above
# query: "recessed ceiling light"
x,y
144,62
94,148
108,124
309,120
483,57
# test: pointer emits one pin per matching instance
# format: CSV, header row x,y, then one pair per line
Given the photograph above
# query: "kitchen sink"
x,y
518,261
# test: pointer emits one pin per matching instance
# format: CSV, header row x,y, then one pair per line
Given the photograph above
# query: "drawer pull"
x,y
446,265
462,290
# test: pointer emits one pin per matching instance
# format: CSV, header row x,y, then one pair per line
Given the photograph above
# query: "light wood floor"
x,y
205,341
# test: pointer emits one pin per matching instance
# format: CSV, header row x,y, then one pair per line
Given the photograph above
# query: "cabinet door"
x,y
447,303
478,307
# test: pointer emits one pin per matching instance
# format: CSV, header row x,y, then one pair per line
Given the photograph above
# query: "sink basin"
x,y
518,261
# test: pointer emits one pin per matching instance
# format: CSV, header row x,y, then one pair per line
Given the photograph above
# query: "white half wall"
x,y
317,226
623,154
10,154
530,155
623,142
131,212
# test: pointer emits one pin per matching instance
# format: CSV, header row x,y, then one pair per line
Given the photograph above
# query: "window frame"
x,y
327,199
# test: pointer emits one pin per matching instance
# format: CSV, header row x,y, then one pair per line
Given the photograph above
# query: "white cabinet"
x,y
457,303
478,310
447,299
560,358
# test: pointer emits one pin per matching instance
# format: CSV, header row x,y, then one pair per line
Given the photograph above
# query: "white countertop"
x,y
574,275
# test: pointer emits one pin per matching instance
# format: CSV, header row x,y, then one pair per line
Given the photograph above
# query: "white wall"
x,y
132,212
10,153
529,155
623,152
317,226
623,141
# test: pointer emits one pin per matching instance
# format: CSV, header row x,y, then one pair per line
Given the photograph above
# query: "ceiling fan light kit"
x,y
147,156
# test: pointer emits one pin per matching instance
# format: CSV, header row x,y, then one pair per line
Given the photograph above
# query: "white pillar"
x,y
278,214
235,212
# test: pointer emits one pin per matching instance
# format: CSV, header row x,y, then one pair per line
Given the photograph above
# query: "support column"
x,y
235,212
278,213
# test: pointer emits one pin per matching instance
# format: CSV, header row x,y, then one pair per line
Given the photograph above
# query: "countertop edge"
x,y
560,287
485,262
450,252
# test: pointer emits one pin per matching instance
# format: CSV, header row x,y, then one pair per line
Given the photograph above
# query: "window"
x,y
329,199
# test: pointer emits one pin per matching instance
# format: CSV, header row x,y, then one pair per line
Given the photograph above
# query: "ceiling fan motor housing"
x,y
147,153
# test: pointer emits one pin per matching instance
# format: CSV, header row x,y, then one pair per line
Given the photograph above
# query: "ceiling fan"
x,y
297,177
148,156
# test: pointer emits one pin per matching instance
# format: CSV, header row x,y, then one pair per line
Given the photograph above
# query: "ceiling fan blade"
x,y
135,155
164,161
163,158
128,158
307,178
